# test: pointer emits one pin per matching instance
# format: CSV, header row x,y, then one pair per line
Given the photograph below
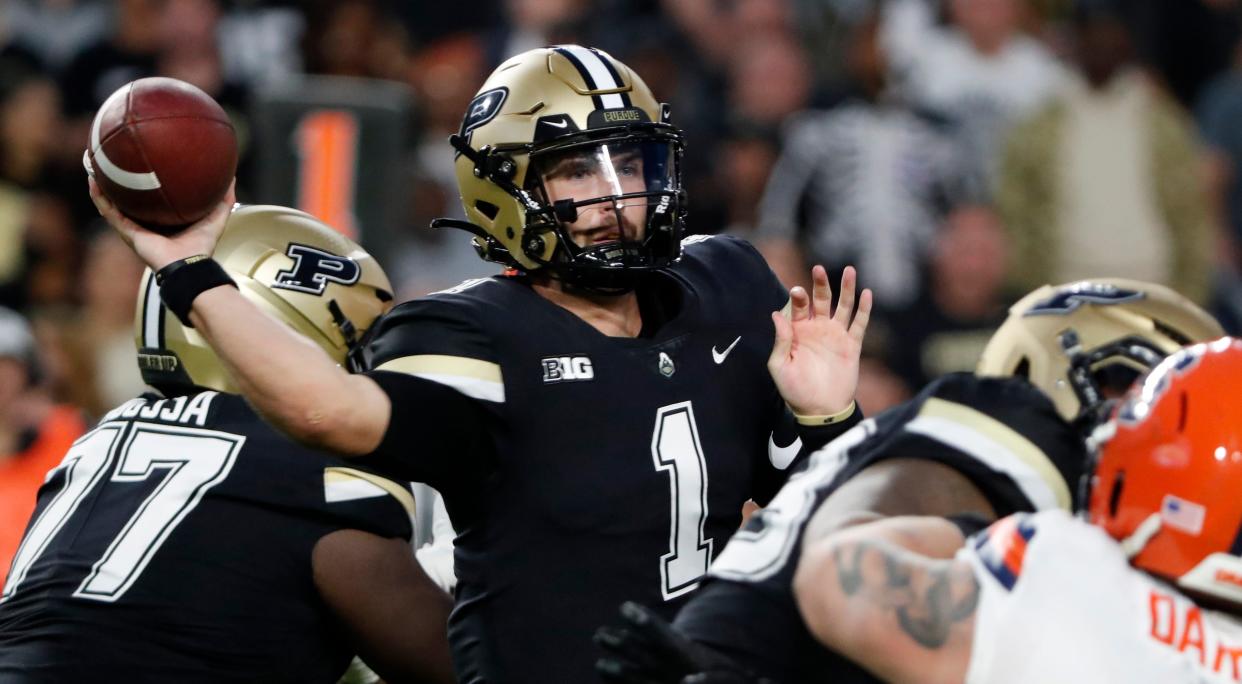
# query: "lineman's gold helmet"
x,y
292,266
566,162
1079,340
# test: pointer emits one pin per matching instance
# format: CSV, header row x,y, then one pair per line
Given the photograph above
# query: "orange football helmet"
x,y
1168,480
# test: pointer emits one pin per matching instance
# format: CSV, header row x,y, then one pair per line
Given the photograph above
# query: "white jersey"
x,y
1059,602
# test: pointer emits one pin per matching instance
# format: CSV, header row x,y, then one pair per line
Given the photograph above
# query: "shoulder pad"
x,y
1008,426
443,338
376,503
461,287
715,247
730,264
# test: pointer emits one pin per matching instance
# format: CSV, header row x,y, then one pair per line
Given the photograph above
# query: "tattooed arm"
x,y
904,616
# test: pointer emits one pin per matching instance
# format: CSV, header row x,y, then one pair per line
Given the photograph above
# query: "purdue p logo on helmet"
x,y
1077,341
570,112
291,265
313,269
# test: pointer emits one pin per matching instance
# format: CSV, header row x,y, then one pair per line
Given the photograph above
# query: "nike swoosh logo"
x,y
782,456
719,357
557,124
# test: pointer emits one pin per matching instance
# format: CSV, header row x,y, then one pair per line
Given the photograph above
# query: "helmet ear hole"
x,y
487,209
1114,496
1023,369
1182,410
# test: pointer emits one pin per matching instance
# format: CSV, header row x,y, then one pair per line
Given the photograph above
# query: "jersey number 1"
x,y
675,448
190,462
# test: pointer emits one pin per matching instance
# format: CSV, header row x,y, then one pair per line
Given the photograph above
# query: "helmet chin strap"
x,y
613,285
610,282
353,346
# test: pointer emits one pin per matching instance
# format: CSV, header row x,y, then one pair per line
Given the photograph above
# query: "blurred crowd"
x,y
959,152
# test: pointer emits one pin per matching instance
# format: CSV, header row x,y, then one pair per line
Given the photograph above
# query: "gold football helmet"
x,y
566,162
1084,342
294,267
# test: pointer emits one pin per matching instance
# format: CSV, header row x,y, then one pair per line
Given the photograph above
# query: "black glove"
x,y
648,650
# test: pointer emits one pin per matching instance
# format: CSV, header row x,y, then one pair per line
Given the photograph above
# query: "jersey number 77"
x,y
190,461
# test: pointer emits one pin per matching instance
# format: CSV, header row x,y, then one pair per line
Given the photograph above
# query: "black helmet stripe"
x,y
616,77
598,74
586,75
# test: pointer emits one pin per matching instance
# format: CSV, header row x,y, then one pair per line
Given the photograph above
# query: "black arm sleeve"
x,y
771,476
816,437
435,434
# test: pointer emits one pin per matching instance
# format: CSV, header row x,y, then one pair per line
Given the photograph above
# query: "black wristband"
x,y
183,280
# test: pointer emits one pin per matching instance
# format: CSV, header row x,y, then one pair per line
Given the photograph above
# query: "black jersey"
x,y
1001,433
173,544
594,469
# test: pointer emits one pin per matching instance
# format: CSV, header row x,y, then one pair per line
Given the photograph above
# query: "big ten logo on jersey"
x,y
1179,624
567,369
183,409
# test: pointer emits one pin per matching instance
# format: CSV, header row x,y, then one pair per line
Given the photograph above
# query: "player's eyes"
x,y
572,171
628,165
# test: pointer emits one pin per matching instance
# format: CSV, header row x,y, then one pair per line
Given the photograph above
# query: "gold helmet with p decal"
x,y
291,265
567,163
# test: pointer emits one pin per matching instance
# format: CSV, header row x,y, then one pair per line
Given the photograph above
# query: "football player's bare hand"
x,y
815,358
160,250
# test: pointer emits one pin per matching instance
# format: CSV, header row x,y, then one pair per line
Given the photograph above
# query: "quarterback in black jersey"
x,y
183,539
971,447
596,417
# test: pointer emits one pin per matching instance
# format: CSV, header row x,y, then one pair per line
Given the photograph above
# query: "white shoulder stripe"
x,y
471,387
474,378
997,446
350,489
351,484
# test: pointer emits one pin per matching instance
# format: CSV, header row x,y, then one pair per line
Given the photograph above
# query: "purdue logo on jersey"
x,y
313,269
567,369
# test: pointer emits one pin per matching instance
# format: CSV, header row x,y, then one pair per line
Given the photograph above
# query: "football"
x,y
163,151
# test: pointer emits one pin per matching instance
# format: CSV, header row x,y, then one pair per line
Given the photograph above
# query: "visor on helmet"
x,y
613,203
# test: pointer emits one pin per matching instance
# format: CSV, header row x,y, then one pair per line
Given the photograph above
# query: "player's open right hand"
x,y
160,250
815,357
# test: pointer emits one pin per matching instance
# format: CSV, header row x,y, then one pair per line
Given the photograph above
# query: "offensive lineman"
x,y
972,448
183,539
600,412
1148,591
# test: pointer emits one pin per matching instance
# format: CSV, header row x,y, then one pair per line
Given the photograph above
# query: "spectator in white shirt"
x,y
981,72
